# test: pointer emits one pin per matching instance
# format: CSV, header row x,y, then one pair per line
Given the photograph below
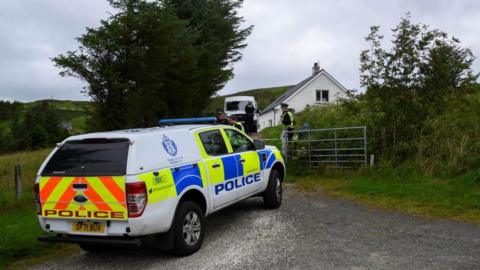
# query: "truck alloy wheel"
x,y
191,228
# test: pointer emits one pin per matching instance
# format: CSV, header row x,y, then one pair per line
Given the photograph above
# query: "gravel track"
x,y
308,232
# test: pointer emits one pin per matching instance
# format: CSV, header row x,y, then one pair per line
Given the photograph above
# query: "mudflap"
x,y
163,241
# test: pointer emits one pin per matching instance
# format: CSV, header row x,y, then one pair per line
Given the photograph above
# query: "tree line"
x,y
421,100
148,60
34,127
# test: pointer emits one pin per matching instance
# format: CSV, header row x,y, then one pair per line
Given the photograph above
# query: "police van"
x,y
151,186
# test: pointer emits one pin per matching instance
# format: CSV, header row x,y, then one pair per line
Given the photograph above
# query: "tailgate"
x,y
92,198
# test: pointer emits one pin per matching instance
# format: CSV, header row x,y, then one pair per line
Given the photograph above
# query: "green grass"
x,y
272,136
18,239
29,162
404,188
20,228
263,96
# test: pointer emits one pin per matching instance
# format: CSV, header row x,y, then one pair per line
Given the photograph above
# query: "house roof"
x,y
297,87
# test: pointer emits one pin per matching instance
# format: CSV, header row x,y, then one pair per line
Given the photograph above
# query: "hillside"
x,y
263,96
75,112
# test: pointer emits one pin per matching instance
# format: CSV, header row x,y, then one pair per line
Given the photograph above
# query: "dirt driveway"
x,y
309,232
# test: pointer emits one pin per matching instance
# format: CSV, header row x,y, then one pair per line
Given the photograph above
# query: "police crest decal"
x,y
169,146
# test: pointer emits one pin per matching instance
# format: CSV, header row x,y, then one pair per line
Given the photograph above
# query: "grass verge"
x,y
18,220
456,198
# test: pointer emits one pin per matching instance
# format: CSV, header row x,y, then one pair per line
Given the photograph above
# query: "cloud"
x,y
35,31
288,37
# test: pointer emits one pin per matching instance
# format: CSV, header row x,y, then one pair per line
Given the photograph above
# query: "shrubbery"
x,y
422,101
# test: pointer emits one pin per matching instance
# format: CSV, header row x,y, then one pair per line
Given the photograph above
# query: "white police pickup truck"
x,y
151,186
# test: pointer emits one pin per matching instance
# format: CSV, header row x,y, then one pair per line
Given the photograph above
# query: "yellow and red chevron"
x,y
106,197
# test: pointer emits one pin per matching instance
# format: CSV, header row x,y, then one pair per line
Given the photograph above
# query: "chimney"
x,y
315,68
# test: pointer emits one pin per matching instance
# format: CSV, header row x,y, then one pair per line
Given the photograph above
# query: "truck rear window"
x,y
90,157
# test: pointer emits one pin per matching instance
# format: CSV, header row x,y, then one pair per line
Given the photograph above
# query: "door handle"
x,y
242,160
216,165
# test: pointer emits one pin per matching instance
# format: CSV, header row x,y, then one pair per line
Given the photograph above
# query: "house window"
x,y
322,96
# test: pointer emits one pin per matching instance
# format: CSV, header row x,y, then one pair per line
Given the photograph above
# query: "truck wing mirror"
x,y
259,144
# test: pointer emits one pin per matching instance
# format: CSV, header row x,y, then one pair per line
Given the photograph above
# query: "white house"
x,y
318,89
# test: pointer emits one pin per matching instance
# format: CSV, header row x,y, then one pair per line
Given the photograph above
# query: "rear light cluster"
x,y
36,194
136,198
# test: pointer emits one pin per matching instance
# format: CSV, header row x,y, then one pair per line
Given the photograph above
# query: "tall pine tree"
x,y
156,58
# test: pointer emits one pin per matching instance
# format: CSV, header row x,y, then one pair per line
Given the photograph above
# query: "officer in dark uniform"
x,y
249,112
288,120
221,118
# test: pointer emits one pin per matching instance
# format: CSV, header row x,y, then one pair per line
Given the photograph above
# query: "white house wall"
x,y
307,95
304,97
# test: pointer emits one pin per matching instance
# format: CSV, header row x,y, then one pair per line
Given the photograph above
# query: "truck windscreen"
x,y
90,157
236,105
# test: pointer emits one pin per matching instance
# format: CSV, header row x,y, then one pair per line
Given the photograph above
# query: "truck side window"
x,y
239,142
213,143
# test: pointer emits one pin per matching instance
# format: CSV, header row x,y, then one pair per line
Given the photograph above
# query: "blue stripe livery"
x,y
229,167
271,159
185,176
239,165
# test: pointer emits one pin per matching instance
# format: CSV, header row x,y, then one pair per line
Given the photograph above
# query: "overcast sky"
x,y
288,37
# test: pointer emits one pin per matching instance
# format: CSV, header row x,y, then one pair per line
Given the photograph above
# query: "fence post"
x,y
18,182
309,150
365,144
372,160
284,143
335,147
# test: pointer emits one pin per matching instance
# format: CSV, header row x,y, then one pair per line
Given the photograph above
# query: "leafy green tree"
x,y
408,83
39,127
156,58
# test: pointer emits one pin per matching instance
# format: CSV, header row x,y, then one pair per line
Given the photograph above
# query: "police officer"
x,y
233,122
288,120
221,119
249,112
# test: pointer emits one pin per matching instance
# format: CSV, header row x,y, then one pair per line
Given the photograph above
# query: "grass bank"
x,y
403,188
20,229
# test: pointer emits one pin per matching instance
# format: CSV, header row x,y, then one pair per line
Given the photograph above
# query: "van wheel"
x,y
189,229
272,198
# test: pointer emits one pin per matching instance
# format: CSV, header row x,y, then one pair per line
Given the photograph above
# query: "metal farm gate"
x,y
344,147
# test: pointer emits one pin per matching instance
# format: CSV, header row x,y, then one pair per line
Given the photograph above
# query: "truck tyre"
x,y
272,198
189,229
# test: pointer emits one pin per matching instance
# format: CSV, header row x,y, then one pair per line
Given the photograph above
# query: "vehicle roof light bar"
x,y
185,121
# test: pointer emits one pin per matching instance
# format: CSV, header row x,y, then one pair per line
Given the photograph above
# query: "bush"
x,y
450,141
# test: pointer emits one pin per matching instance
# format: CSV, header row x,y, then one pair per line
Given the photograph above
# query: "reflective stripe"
x,y
106,193
252,162
185,176
292,119
229,167
161,187
203,174
215,175
271,159
47,187
113,186
278,155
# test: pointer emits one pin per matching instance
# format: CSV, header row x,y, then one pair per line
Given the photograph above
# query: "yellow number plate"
x,y
89,227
